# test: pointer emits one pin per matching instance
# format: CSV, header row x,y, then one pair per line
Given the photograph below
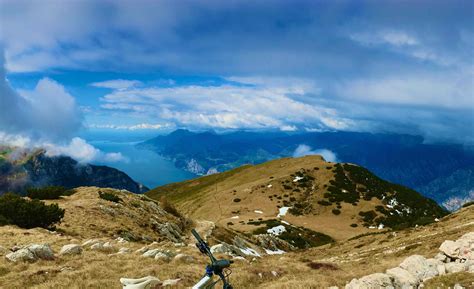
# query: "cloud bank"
x,y
378,66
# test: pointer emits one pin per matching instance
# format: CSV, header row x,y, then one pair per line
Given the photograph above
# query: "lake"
x,y
143,166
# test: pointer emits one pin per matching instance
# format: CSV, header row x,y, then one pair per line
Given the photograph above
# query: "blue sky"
x,y
377,66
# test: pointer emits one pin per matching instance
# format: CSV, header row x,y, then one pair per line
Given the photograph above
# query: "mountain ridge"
x,y
21,169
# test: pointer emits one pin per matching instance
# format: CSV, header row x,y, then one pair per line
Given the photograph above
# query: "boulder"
x,y
419,267
184,258
225,248
462,248
124,250
24,255
41,251
455,267
373,281
402,278
151,253
169,230
71,249
162,256
103,247
170,282
90,242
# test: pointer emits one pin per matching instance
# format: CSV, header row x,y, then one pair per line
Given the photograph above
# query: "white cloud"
x,y
45,117
119,84
140,126
390,37
288,128
305,150
455,91
260,105
81,151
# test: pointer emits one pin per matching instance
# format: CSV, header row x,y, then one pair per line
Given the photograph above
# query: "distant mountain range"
x,y
440,171
20,169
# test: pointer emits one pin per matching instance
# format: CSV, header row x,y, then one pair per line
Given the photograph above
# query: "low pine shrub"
x,y
110,197
48,193
28,214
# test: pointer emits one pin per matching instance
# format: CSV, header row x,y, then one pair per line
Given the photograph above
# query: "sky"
x,y
371,66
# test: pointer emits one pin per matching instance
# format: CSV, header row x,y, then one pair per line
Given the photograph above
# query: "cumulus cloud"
x,y
82,151
45,117
305,150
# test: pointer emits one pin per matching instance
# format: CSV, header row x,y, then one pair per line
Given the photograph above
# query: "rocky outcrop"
x,y
455,256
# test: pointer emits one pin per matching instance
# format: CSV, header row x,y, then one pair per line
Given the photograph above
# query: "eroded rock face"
x,y
42,251
71,249
373,281
171,231
270,242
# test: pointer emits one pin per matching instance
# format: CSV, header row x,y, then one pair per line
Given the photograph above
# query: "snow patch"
x,y
258,212
297,179
269,186
283,211
250,252
277,252
235,217
277,230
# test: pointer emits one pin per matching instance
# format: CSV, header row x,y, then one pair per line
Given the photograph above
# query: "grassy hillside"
x,y
339,200
332,264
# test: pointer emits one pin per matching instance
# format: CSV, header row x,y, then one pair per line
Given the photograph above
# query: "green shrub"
x,y
48,193
169,207
336,212
236,200
354,225
28,213
110,197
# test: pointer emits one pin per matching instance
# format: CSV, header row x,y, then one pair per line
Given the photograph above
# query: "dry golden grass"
x,y
212,197
320,267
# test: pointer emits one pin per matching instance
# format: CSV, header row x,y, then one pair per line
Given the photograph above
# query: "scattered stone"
x,y
463,248
151,253
42,251
184,258
124,250
24,255
162,256
402,278
373,281
419,267
457,286
170,282
71,249
90,242
103,247
455,267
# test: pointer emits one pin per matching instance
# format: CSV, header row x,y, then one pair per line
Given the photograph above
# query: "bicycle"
x,y
217,267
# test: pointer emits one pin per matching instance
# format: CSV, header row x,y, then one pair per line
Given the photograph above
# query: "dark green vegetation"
x,y
299,237
111,197
403,208
27,214
48,193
